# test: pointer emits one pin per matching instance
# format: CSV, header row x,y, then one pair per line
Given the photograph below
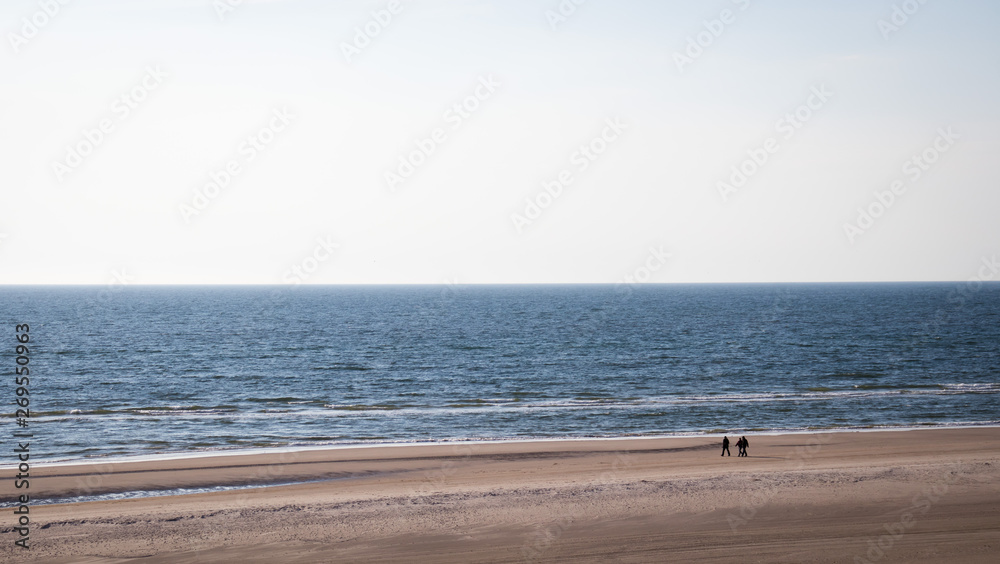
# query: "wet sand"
x,y
895,496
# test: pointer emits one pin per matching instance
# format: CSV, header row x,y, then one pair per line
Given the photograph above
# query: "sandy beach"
x,y
890,496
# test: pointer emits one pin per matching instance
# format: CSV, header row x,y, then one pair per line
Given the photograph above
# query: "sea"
x,y
138,371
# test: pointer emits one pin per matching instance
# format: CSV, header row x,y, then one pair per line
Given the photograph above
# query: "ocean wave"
x,y
974,388
518,402
345,366
282,399
631,402
180,409
367,407
150,410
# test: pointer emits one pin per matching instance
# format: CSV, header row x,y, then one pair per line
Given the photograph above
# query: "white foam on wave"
x,y
516,405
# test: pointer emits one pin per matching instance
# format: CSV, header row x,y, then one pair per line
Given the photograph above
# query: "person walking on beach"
x,y
725,446
744,443
739,447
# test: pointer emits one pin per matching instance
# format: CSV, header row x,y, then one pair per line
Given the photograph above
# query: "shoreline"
x,y
283,456
164,456
817,497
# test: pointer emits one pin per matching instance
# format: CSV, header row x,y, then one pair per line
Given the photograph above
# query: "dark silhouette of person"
x,y
725,446
744,444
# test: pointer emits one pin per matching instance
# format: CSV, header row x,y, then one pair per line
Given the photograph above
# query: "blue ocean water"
x,y
142,370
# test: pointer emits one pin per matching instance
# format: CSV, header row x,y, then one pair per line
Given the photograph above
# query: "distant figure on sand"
x,y
743,443
725,446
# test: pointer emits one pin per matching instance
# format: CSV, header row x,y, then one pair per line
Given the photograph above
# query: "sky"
x,y
498,141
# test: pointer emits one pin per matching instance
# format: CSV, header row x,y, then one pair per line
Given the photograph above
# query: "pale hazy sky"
x,y
669,96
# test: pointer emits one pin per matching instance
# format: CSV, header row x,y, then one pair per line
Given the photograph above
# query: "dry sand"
x,y
898,496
